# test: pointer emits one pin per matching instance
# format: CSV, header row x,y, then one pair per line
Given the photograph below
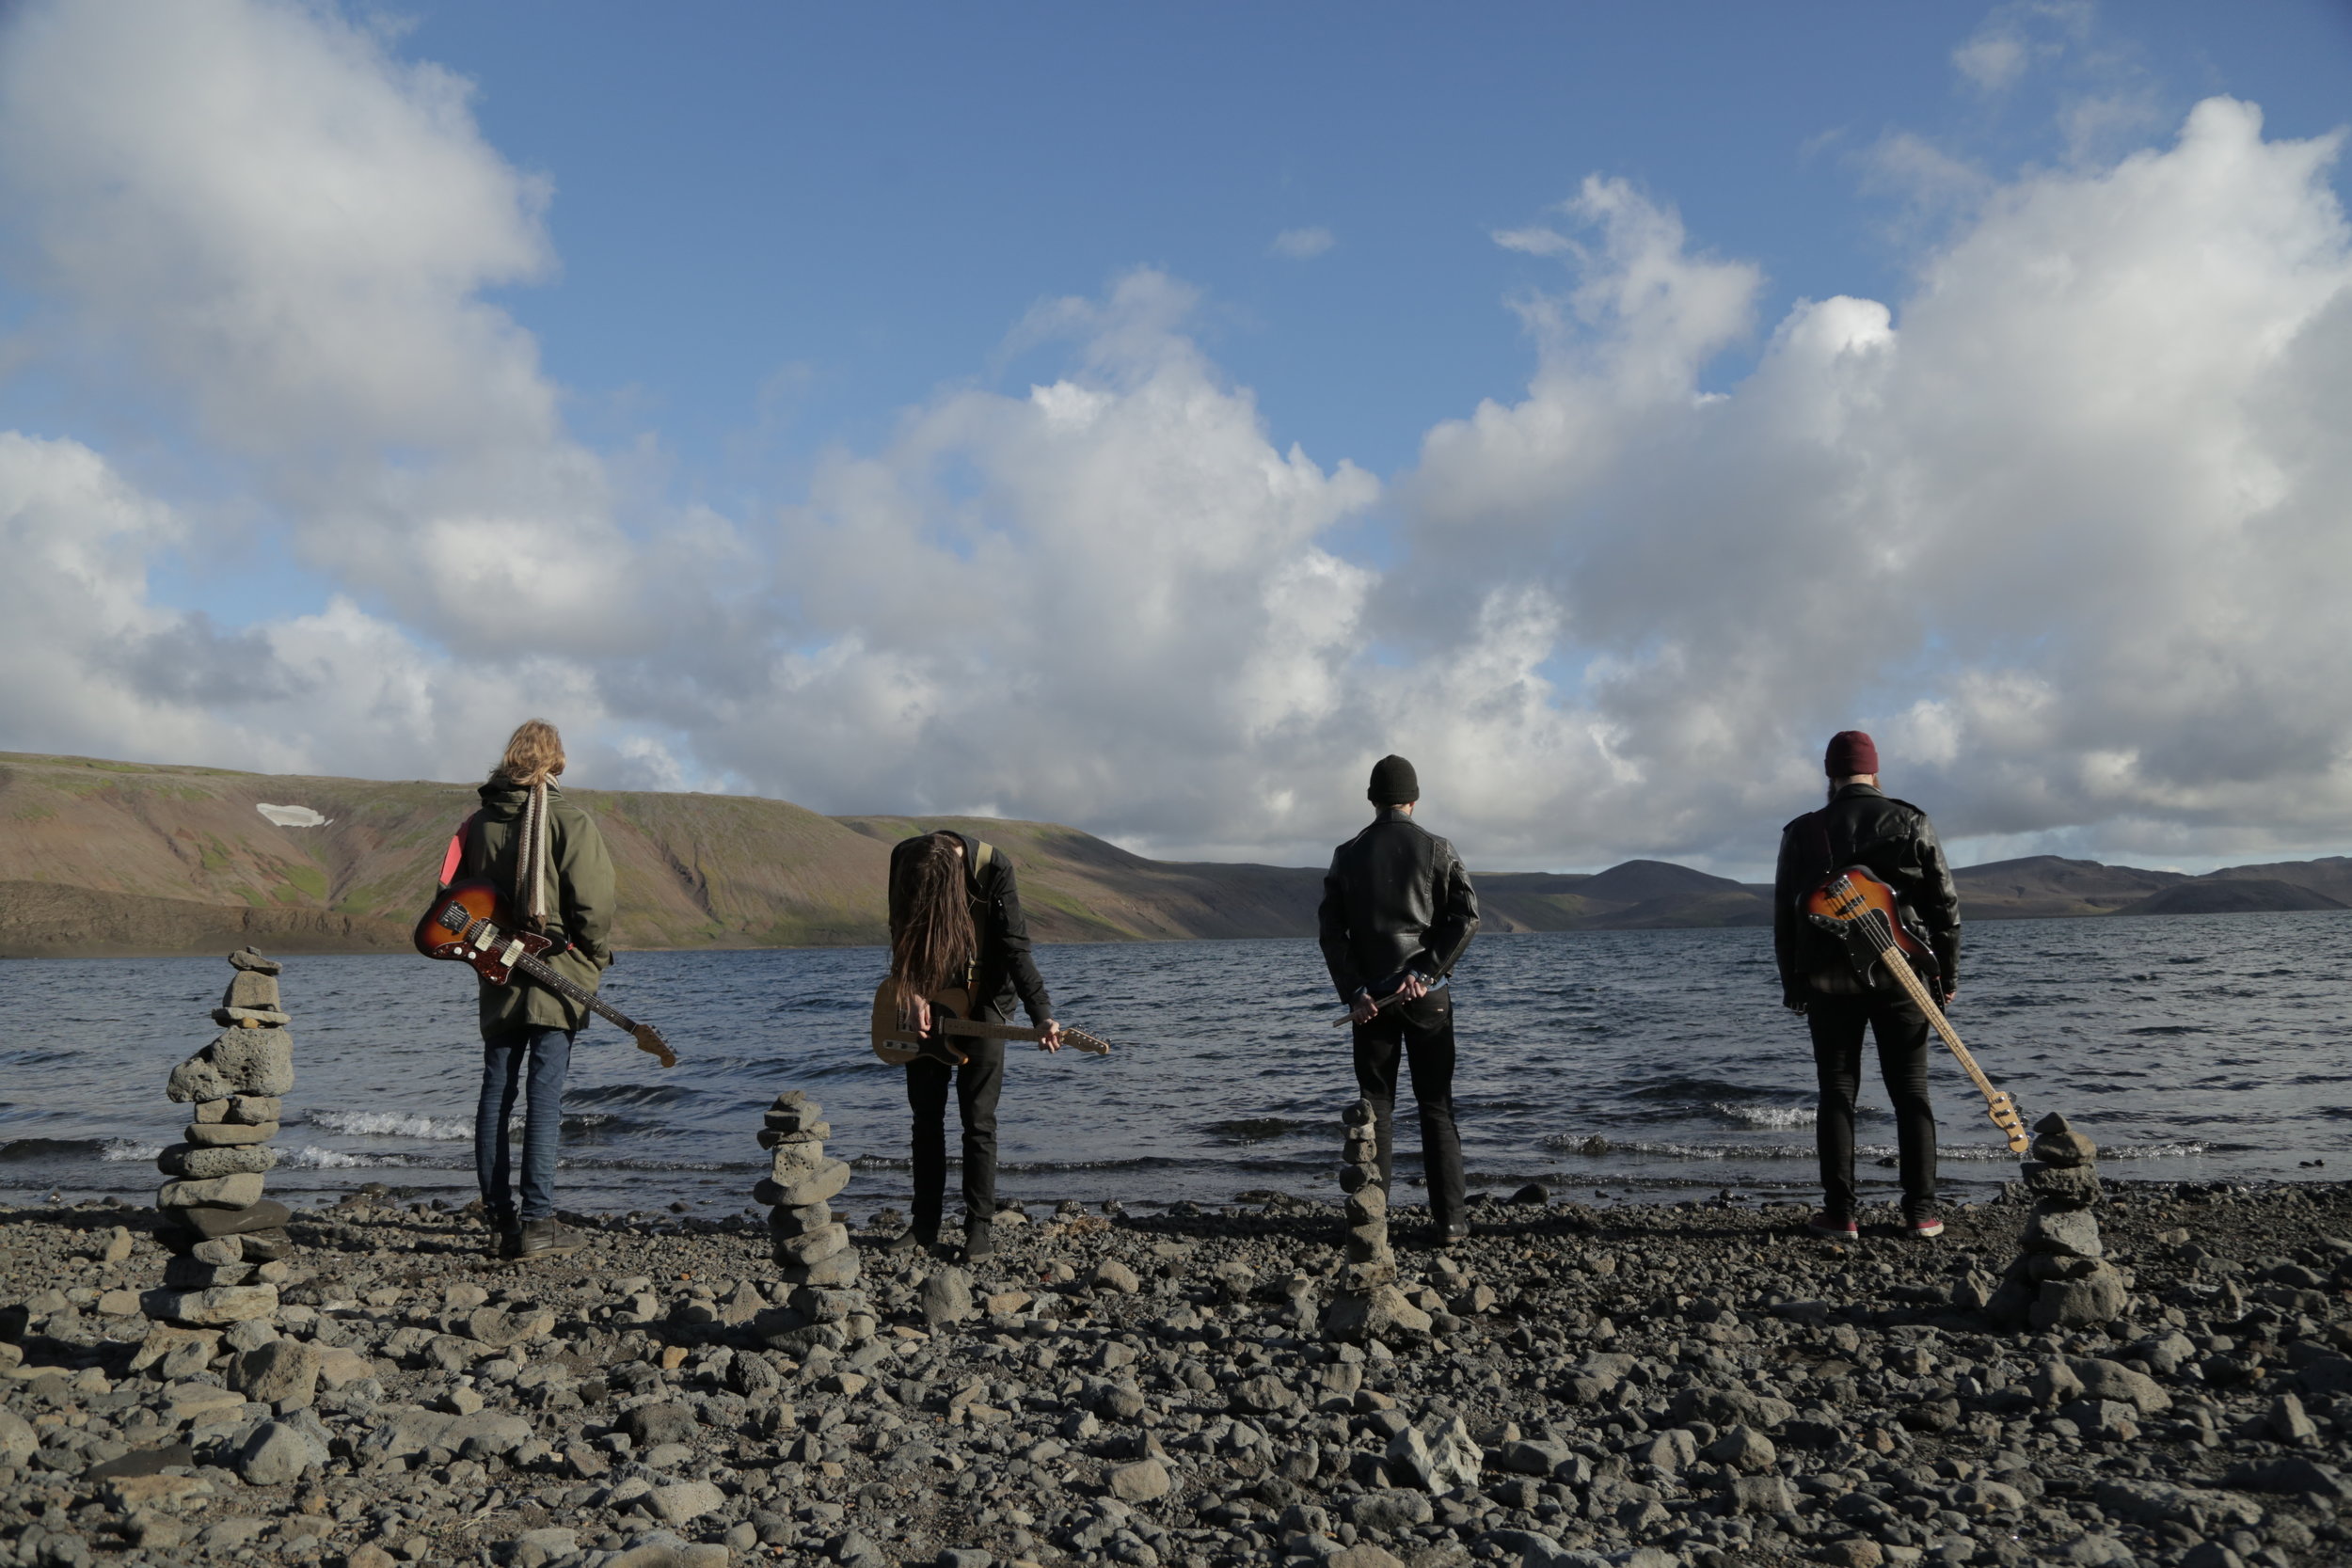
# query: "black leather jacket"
x,y
1005,967
1396,896
1893,839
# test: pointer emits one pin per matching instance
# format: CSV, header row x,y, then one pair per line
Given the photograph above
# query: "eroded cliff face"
x,y
123,858
118,858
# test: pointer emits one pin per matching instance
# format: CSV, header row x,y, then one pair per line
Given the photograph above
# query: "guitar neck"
x,y
978,1030
1899,966
562,985
974,1029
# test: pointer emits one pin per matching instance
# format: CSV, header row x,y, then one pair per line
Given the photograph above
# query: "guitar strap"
x,y
983,856
455,855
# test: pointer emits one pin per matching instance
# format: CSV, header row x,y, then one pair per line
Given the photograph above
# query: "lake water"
x,y
1616,1064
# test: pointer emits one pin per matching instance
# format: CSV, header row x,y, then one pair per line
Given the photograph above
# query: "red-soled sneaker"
x,y
1834,1227
1926,1227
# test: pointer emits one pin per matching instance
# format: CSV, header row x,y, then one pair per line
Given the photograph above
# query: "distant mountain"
x,y
1635,895
2218,895
2331,875
101,857
2045,886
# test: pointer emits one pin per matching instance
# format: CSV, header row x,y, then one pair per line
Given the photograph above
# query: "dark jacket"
x,y
1396,896
1005,968
582,913
1893,840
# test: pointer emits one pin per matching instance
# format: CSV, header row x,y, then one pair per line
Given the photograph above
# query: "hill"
x,y
2218,895
100,857
2046,886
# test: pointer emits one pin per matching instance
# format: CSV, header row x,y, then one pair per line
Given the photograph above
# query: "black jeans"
x,y
978,1083
1901,1029
1422,1033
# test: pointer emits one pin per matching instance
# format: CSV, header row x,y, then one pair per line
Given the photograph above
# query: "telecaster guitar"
x,y
1860,909
464,923
895,1042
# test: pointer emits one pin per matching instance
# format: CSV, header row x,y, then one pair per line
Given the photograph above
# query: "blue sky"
x,y
781,225
1145,416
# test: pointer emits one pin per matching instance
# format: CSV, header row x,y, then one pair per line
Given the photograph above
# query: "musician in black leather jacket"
x,y
1397,911
1892,839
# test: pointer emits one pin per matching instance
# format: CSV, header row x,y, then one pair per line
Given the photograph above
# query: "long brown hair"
x,y
933,939
534,755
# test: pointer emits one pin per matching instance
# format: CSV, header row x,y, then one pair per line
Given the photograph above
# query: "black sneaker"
x,y
979,1242
506,1239
548,1239
909,1238
1447,1236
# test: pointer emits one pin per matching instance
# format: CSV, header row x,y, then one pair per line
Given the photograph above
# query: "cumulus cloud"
x,y
2064,525
277,227
1303,245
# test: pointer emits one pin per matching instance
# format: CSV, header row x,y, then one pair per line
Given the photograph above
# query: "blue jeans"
x,y
550,1052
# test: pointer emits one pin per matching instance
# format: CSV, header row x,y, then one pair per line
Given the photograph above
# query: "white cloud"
x,y
2015,37
2065,523
1303,245
285,231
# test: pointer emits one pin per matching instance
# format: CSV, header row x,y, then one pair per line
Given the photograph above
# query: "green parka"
x,y
583,878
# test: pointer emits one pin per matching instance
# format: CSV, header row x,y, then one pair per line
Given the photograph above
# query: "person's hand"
x,y
915,1016
1051,1038
1363,1010
1413,987
1950,996
1794,1000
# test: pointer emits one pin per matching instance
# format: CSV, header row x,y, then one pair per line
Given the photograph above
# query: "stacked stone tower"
x,y
813,1249
1368,1306
227,1241
2061,1280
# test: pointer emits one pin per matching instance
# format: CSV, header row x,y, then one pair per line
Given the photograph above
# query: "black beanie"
x,y
1393,783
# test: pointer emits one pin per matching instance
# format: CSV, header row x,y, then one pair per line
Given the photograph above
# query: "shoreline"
x,y
1647,1385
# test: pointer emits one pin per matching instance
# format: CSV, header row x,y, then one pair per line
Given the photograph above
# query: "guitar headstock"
x,y
649,1040
1078,1039
2003,1110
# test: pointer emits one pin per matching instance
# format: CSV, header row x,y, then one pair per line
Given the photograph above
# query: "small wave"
x,y
1252,1130
393,1124
312,1156
130,1148
1768,1115
50,1148
629,1094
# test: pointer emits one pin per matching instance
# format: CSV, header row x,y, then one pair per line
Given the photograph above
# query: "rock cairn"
x,y
227,1241
2061,1280
812,1243
1369,1306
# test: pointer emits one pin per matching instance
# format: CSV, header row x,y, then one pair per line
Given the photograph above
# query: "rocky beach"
x,y
1696,1383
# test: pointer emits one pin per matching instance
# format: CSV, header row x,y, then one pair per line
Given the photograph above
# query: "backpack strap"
x,y
984,856
455,854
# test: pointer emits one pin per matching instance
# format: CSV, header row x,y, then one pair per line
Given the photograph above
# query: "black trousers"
x,y
976,1082
1901,1030
1421,1034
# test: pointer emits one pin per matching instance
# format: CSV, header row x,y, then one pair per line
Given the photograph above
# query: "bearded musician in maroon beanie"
x,y
1894,841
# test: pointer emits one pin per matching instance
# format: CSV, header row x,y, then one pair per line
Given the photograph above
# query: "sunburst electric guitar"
x,y
1860,910
951,1021
467,924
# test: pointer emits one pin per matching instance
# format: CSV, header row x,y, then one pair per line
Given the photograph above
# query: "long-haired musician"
x,y
956,922
556,875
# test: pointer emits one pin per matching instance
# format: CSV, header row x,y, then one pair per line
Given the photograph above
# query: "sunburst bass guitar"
x,y
467,925
951,1020
1859,909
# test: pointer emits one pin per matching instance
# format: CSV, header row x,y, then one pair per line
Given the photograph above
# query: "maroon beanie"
x,y
1850,751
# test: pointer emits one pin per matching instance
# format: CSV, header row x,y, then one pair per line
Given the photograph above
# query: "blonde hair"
x,y
534,755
